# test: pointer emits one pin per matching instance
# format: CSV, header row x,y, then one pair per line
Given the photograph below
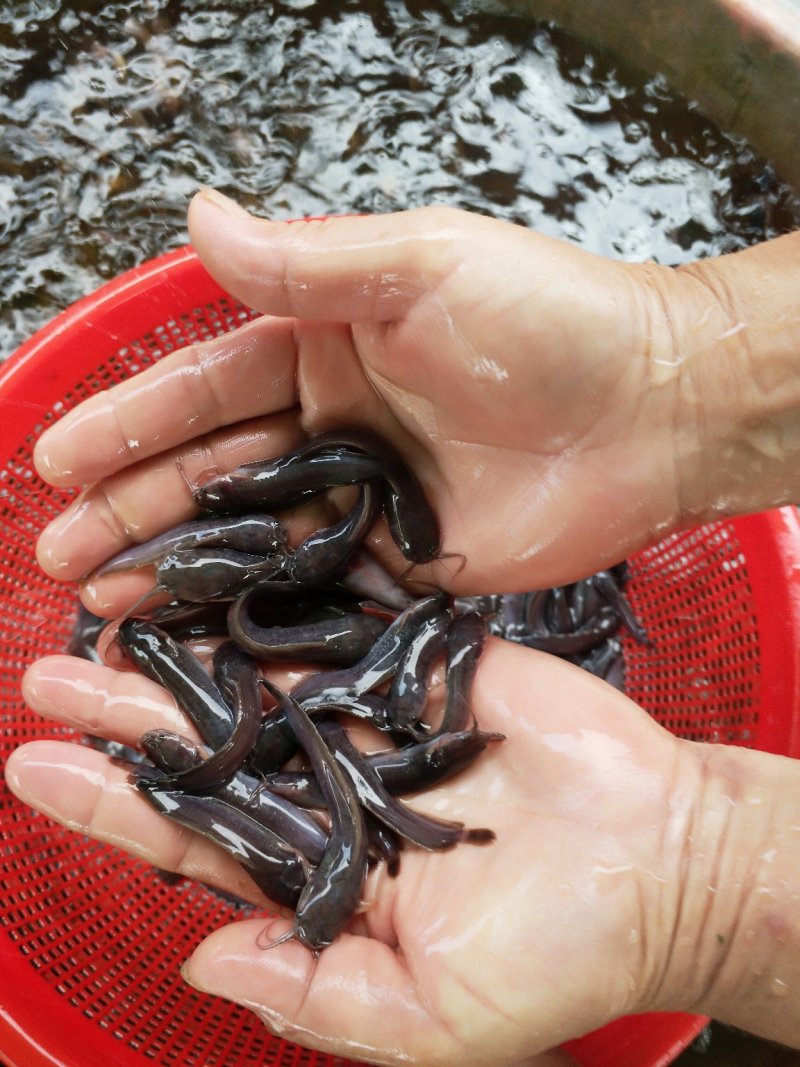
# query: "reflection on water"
x,y
111,115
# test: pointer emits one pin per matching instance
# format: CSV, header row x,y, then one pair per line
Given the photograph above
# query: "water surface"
x,y
112,114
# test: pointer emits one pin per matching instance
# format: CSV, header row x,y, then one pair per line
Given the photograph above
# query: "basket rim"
x,y
94,305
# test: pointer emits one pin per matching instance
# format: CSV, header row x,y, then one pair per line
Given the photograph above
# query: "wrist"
x,y
732,349
733,935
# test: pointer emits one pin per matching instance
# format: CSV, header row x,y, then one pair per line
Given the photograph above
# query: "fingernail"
x,y
49,559
58,541
47,468
30,689
224,203
37,689
97,601
184,969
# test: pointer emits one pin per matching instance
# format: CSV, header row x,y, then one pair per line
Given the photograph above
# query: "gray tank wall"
x,y
740,59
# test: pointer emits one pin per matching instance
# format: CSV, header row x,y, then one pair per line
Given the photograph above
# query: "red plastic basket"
x,y
91,941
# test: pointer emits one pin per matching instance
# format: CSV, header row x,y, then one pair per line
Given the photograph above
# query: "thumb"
x,y
349,269
356,1000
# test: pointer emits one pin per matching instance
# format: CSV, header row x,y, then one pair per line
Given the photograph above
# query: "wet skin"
x,y
606,781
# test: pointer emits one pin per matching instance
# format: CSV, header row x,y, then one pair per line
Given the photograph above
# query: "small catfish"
x,y
182,674
465,640
278,870
402,771
285,481
333,891
409,688
174,754
379,664
325,553
256,535
424,830
345,639
238,674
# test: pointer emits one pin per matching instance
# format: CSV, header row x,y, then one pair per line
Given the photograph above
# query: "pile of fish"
x,y
578,622
285,790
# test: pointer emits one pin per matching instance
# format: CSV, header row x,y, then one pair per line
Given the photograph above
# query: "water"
x,y
112,114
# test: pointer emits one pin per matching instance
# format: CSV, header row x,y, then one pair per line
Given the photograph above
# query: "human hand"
x,y
530,384
475,956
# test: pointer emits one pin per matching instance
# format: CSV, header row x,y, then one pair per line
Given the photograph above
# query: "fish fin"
x,y
481,836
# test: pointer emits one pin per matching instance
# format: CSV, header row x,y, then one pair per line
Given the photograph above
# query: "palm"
x,y
542,930
452,374
482,955
512,377
512,370
536,928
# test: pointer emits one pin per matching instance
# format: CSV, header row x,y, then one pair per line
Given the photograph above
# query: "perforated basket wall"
x,y
91,940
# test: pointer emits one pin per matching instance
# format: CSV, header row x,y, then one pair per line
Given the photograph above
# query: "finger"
x,y
81,789
189,393
341,269
332,387
115,595
357,1000
149,497
98,700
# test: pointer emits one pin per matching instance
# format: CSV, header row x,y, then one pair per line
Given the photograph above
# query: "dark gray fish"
x,y
402,771
339,457
607,585
276,744
409,689
332,894
379,664
466,637
423,830
278,870
384,844
326,552
604,625
200,575
172,753
182,674
412,522
285,481
258,535
182,619
86,631
558,615
343,639
236,673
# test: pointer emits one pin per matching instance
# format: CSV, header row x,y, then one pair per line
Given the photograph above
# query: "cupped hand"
x,y
478,956
529,384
